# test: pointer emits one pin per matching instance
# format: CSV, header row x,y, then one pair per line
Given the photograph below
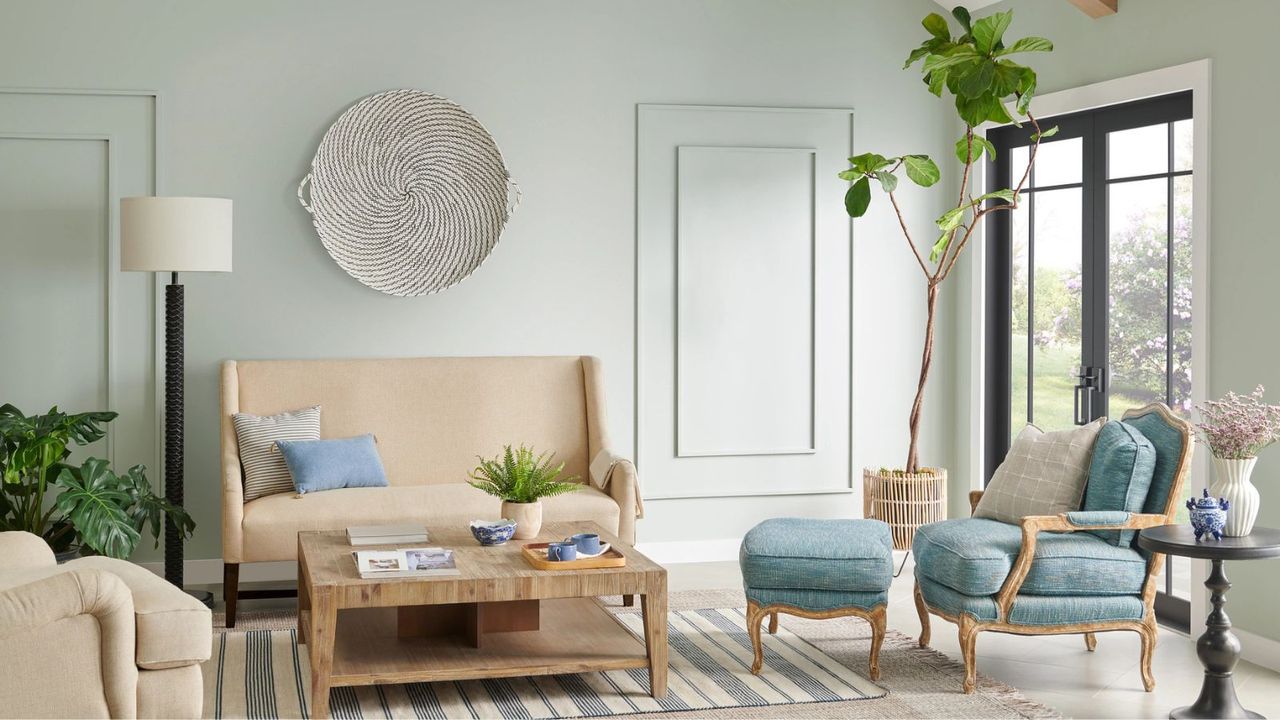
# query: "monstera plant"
x,y
976,67
95,508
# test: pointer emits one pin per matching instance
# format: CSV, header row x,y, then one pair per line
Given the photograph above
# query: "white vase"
x,y
1232,484
527,516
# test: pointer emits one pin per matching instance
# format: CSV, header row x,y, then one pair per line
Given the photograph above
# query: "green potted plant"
x,y
521,479
95,510
977,69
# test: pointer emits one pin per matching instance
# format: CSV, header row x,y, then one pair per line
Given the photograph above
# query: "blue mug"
x,y
587,543
562,551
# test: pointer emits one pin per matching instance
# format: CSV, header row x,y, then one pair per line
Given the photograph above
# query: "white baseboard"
x,y
691,551
1259,650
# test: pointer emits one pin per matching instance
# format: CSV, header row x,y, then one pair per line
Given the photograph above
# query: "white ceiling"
x,y
970,4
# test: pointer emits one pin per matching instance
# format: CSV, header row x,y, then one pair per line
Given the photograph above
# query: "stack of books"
x,y
412,562
386,534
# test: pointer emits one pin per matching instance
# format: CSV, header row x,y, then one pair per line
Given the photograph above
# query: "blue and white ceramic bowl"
x,y
492,532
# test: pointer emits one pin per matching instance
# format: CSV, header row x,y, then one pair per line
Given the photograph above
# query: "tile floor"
x,y
1056,671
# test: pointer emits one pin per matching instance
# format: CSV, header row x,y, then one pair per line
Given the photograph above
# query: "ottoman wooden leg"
x,y
755,617
877,618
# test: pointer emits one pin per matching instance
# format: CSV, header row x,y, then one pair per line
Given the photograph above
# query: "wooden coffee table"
x,y
498,618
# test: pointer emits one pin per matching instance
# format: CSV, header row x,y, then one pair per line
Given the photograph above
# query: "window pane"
x,y
1137,225
1182,295
1018,323
1056,306
1058,162
1018,158
1182,145
1140,151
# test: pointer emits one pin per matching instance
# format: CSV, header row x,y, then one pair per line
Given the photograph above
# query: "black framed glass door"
x,y
1089,297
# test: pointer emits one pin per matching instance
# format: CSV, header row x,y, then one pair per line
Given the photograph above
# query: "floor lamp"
x,y
173,235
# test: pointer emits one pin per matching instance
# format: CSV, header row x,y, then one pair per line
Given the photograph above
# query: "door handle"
x,y
1092,381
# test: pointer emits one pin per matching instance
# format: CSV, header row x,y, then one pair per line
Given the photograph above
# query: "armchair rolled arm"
x,y
21,550
26,609
1075,521
623,488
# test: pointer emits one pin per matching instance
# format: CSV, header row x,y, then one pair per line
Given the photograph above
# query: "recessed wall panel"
x,y
744,326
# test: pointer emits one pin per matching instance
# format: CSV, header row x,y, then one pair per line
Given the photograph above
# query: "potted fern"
x,y
521,479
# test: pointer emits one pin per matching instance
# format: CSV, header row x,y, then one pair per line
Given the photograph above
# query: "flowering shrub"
x,y
1238,426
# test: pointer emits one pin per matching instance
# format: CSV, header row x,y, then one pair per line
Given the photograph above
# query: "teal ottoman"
x,y
817,569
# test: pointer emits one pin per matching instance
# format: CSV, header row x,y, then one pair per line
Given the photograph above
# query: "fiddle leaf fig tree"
x,y
977,68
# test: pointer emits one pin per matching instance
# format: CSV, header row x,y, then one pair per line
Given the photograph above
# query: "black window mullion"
x,y
1097,277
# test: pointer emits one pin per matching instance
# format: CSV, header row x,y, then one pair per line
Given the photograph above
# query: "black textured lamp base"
x,y
203,596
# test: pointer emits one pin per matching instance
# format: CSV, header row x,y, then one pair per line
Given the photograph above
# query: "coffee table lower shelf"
x,y
576,635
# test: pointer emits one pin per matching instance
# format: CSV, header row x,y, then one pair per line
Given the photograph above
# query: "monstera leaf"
x,y
93,499
146,509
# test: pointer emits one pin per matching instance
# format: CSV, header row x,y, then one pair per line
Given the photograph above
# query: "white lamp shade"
x,y
175,234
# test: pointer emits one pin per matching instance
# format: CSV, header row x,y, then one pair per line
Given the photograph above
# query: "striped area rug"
x,y
262,674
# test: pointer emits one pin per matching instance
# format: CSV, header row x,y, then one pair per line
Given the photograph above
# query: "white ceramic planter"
x,y
528,517
1231,482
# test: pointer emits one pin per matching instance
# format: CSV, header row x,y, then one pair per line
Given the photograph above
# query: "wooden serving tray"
x,y
536,555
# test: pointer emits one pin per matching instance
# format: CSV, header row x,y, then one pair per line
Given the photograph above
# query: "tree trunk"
x,y
926,359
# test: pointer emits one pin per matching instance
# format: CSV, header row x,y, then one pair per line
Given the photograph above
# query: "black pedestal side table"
x,y
1218,647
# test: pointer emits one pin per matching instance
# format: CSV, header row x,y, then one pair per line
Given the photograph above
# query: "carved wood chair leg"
x,y
877,620
923,611
1148,635
968,643
1090,641
755,616
773,623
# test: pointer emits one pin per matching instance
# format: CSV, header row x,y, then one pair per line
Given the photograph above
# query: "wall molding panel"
x,y
743,302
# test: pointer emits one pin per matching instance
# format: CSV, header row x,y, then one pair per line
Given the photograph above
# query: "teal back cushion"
x,y
1169,443
1120,474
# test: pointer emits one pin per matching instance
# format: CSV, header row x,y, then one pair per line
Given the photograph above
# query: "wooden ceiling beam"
x,y
1097,8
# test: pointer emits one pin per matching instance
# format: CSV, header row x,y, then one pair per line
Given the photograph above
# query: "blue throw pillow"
x,y
331,464
1120,473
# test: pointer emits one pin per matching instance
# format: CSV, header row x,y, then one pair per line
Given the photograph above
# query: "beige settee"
x,y
431,418
95,637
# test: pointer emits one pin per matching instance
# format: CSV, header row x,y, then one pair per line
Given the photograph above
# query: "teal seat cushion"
x,y
1033,609
817,600
973,556
806,554
1120,473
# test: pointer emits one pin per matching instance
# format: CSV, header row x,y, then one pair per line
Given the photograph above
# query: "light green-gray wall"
x,y
248,88
1236,35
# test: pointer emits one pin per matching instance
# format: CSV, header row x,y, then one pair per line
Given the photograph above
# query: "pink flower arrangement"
x,y
1237,427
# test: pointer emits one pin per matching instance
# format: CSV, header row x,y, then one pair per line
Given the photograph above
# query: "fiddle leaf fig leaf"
x,y
940,246
954,56
858,198
1026,90
937,26
1044,134
937,80
869,162
1028,44
850,175
976,81
1006,195
921,170
916,55
980,145
950,220
961,14
888,181
988,31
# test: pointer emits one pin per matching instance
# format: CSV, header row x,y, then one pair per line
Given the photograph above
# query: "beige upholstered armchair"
x,y
95,637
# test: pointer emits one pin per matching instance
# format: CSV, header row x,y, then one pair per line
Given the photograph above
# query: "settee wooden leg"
x,y
923,611
773,623
968,645
1090,641
230,590
628,600
1148,634
877,619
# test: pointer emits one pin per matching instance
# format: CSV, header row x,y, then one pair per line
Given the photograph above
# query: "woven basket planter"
x,y
905,501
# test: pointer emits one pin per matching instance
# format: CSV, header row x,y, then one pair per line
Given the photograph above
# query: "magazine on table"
x,y
407,562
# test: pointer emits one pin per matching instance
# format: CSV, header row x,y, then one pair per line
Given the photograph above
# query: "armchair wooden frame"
x,y
970,626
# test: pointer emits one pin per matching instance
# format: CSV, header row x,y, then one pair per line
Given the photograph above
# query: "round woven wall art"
x,y
408,192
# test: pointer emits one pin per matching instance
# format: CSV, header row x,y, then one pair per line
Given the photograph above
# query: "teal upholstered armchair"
x,y
1049,575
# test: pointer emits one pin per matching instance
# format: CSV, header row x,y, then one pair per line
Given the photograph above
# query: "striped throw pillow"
x,y
265,471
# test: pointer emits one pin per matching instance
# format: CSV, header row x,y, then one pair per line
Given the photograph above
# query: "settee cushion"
x,y
272,523
973,556
331,464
